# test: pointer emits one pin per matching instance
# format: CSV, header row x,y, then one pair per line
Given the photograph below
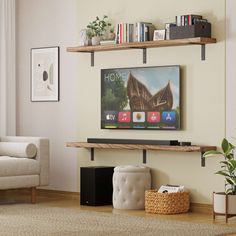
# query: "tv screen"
x,y
141,98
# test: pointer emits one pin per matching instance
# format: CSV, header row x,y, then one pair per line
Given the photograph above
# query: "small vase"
x,y
83,38
96,40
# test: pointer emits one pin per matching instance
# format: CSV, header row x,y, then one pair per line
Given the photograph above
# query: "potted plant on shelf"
x,y
224,203
97,28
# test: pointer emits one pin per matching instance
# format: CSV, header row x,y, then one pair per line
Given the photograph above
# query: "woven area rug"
x,y
36,220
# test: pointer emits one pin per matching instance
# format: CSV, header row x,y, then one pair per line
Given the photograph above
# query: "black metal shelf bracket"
x,y
92,154
203,159
203,55
92,58
144,55
144,156
203,52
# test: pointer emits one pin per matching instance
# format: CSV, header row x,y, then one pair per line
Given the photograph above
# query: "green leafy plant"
x,y
99,26
228,166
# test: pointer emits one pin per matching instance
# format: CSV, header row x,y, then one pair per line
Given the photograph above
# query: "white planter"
x,y
219,206
83,38
96,40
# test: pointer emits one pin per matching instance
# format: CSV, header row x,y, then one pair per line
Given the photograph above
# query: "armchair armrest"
x,y
42,156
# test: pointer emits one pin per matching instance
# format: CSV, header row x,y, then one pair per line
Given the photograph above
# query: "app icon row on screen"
x,y
140,117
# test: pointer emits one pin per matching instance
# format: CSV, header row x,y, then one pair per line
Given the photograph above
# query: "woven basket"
x,y
166,203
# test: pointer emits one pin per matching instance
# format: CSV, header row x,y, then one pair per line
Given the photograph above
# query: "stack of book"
x,y
144,31
138,32
167,28
107,42
171,189
124,33
183,20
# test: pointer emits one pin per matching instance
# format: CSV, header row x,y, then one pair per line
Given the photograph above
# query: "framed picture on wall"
x,y
45,74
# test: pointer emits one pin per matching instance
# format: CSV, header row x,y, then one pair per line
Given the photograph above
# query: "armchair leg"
x,y
33,195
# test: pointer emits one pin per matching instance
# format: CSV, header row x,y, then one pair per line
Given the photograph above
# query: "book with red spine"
x,y
121,33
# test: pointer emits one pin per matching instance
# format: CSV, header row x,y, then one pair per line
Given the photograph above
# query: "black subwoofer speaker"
x,y
96,185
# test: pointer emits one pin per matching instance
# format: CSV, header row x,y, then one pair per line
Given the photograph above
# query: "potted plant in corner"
x,y
97,28
224,203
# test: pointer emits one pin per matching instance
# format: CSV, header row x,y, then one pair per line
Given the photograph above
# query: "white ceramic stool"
x,y
129,185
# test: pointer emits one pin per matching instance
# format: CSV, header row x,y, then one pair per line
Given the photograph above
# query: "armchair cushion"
x,y
12,166
18,149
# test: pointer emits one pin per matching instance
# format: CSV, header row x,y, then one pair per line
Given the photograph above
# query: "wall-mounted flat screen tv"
x,y
141,98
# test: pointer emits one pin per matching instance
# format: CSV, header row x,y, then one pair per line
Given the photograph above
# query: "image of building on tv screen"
x,y
141,98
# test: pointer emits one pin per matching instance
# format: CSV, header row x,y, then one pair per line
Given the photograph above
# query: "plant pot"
x,y
224,204
96,40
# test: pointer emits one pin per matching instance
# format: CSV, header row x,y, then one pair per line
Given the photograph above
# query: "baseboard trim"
x,y
52,192
194,207
49,193
201,208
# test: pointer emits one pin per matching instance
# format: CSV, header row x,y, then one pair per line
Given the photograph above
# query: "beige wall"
x,y
77,115
47,23
230,71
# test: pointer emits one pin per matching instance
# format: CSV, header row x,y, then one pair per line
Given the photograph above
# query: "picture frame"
x,y
45,74
159,34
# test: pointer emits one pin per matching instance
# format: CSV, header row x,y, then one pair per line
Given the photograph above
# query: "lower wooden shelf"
x,y
144,147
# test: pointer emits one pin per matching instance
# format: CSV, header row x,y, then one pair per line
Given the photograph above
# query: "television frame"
x,y
177,109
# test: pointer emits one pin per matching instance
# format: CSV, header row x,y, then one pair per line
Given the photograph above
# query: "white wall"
x,y
7,68
41,24
77,115
230,71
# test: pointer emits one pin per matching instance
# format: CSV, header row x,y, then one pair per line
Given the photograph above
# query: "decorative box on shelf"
x,y
199,29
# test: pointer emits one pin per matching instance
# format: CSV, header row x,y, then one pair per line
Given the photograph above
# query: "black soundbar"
x,y
133,141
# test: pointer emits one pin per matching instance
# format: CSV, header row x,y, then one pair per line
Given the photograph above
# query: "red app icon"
x,y
154,117
124,116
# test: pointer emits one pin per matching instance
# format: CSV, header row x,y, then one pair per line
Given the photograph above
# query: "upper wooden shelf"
x,y
144,147
144,45
147,44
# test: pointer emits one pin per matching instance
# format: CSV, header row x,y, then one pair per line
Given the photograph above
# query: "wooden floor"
x,y
71,200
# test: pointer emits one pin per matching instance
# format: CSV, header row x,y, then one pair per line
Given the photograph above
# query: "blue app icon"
x,y
169,116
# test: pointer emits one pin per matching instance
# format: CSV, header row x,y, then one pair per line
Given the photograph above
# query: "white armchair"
x,y
24,171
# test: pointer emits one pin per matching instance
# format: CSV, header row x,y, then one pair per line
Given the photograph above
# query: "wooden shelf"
x,y
147,44
144,45
201,149
141,147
